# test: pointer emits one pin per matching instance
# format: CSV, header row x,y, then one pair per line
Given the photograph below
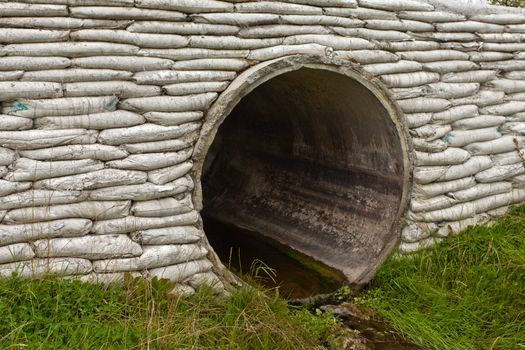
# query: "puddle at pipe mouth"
x,y
296,275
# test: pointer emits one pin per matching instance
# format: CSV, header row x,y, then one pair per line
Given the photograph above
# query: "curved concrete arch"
x,y
262,73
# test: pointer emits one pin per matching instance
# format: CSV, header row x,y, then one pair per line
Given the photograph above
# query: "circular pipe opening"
x,y
314,160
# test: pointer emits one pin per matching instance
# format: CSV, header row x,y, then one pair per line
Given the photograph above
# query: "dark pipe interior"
x,y
311,159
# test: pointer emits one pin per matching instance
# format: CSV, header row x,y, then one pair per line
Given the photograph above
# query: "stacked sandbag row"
x,y
102,103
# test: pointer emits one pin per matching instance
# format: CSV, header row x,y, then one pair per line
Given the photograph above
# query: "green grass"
x,y
51,313
467,293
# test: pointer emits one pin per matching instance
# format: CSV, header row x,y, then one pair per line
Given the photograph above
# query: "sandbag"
x,y
123,36
432,16
448,157
33,139
60,106
480,191
88,247
24,35
36,198
513,128
7,156
512,65
187,6
434,55
507,85
431,132
413,45
435,203
455,113
133,223
402,25
143,192
231,42
3,171
359,12
183,28
426,146
487,56
236,19
144,133
11,75
12,90
460,138
224,64
503,144
281,30
483,121
444,67
9,187
508,158
195,88
507,108
368,56
208,280
329,20
153,257
77,75
417,119
163,207
75,152
396,5
178,273
163,146
423,105
131,63
481,99
103,210
168,174
69,49
52,229
170,103
500,173
168,235
16,252
453,228
405,80
95,121
335,42
122,89
61,23
270,53
165,77
131,13
12,123
401,66
469,26
44,267
93,180
26,169
435,189
416,232
479,76
371,34
29,63
151,161
452,90
425,175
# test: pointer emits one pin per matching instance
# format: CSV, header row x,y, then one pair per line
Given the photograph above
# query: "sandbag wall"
x,y
102,103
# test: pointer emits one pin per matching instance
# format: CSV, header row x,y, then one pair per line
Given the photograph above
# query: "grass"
x,y
467,293
50,313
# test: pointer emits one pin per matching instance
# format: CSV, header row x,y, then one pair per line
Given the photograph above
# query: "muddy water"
x,y
296,275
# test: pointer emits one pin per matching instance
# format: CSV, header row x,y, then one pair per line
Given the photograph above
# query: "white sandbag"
x,y
505,47
424,105
151,161
225,64
180,290
74,152
502,18
455,113
88,247
518,117
3,171
480,191
499,212
460,138
16,252
507,108
287,50
171,119
449,156
488,56
52,229
431,132
144,133
231,42
278,8
417,231
158,41
335,42
45,267
434,55
26,169
393,68
507,85
131,63
481,99
503,144
17,9
518,181
195,88
12,90
236,19
77,75
163,207
426,175
435,189
426,146
12,123
404,80
168,235
428,243
133,223
165,175
182,28
513,128
511,65
431,16
404,93
453,228
483,121
36,197
508,158
96,121
131,13
452,90
163,77
7,156
434,203
187,6
60,23
417,119
93,180
329,20
143,192
281,30
359,12
367,56
413,45
163,146
9,187
519,96
517,75
32,139
11,75
28,63
153,257
469,26
500,173
371,34
444,67
60,106
402,25
180,272
103,210
170,103
24,35
122,89
480,76
68,49
448,37
396,5
208,280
